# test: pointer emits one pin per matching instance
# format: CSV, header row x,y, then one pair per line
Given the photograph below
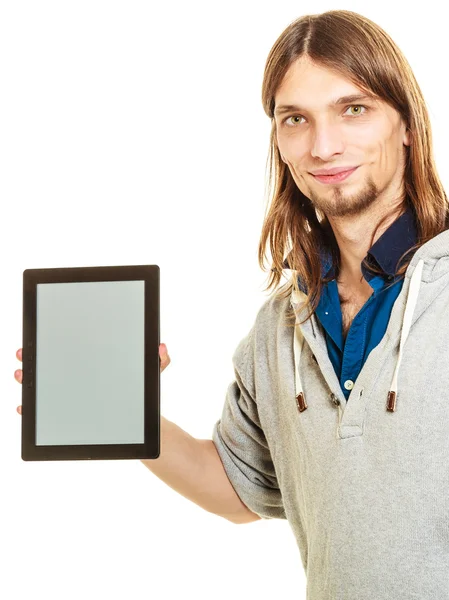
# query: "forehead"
x,y
314,86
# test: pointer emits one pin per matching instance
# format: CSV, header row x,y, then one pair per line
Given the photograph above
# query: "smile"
x,y
335,178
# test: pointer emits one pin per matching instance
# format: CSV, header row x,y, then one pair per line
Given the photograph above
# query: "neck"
x,y
354,236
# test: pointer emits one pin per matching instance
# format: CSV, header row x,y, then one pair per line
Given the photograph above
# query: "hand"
x,y
163,356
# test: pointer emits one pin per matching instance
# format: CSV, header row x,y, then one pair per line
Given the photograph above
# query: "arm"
x,y
194,469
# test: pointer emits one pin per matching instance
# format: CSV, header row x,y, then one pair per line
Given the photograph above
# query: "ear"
x,y
407,137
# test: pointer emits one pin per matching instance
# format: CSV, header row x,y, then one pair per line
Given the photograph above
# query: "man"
x,y
341,423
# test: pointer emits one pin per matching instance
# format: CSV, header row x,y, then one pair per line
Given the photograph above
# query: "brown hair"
x,y
361,51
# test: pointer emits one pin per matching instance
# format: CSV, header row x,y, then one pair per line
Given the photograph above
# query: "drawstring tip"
x,y
301,402
391,402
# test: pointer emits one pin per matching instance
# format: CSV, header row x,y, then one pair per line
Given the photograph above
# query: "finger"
x,y
18,375
163,353
19,354
165,361
164,357
19,410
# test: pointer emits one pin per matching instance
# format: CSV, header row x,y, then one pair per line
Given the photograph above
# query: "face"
x,y
366,133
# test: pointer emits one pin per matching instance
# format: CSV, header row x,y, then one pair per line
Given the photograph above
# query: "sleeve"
x,y
241,442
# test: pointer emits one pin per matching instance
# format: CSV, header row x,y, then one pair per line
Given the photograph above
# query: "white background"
x,y
133,133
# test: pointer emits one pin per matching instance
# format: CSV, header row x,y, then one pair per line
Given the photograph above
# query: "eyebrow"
x,y
283,108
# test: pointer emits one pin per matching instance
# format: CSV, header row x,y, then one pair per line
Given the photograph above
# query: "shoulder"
x,y
272,311
270,318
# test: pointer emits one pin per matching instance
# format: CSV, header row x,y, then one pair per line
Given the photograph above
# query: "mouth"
x,y
335,178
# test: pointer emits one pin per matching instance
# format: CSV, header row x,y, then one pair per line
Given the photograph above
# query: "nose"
x,y
327,141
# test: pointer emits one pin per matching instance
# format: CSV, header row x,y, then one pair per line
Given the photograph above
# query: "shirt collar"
x,y
400,236
397,239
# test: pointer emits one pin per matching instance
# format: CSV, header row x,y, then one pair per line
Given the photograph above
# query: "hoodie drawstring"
x,y
412,299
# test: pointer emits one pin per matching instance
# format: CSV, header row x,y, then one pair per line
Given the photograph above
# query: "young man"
x,y
340,424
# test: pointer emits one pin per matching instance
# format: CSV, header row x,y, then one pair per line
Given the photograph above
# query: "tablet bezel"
x,y
150,449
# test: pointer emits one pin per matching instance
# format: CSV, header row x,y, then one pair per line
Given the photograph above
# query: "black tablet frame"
x,y
150,449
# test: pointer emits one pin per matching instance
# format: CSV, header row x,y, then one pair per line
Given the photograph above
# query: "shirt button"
x,y
349,384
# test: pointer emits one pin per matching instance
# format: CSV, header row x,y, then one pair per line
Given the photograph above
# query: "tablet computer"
x,y
90,360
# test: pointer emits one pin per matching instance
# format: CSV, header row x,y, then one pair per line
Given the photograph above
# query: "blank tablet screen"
x,y
90,334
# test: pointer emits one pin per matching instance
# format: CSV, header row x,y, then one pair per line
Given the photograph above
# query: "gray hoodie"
x,y
364,484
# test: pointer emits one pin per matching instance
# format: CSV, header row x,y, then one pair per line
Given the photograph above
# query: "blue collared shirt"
x,y
369,326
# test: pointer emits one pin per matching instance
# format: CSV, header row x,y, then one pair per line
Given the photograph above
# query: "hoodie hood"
x,y
427,265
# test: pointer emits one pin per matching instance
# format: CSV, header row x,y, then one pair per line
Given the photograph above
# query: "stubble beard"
x,y
338,203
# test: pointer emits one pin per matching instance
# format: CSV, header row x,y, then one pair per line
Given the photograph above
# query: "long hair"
x,y
359,50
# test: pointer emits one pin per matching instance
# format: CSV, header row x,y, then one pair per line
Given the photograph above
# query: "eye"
x,y
358,106
292,117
